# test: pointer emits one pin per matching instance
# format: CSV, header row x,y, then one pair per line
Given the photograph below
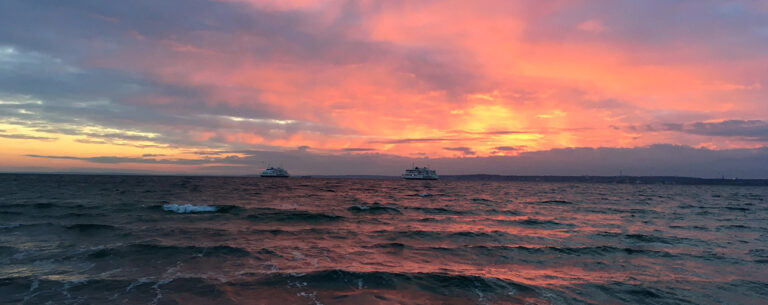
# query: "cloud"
x,y
508,148
704,24
417,140
239,75
358,149
756,130
752,130
594,26
90,141
464,150
25,137
119,92
143,159
108,141
491,132
210,153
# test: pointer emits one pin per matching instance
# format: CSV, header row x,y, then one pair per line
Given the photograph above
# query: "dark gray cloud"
x,y
751,130
89,141
111,142
25,137
509,148
358,149
418,140
209,153
756,130
463,149
145,160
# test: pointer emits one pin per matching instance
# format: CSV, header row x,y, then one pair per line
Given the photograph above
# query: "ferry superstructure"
x,y
276,172
420,173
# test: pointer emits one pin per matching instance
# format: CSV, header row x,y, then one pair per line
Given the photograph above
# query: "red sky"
x,y
155,86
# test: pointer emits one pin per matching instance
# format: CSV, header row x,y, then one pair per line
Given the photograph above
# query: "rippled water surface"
x,y
185,240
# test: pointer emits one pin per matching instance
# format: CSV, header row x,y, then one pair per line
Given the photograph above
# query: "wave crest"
x,y
189,208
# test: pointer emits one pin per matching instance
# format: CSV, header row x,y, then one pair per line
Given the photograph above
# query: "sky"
x,y
228,87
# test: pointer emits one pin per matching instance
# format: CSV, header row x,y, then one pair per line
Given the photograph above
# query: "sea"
x,y
89,239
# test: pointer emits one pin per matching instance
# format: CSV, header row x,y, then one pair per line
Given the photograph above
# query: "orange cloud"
x,y
409,78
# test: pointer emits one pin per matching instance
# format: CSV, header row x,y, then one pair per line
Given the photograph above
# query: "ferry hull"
x,y
420,178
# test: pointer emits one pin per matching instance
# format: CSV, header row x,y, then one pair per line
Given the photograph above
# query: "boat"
x,y
420,173
277,172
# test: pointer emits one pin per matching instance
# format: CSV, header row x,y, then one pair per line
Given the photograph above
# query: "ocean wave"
x,y
457,236
26,226
653,239
556,202
498,251
629,293
422,195
691,227
440,211
90,227
37,205
284,244
6,252
188,208
740,209
734,227
537,223
431,219
302,232
502,212
758,253
578,251
62,230
387,246
436,284
77,215
165,251
44,205
293,216
323,286
27,290
481,200
373,209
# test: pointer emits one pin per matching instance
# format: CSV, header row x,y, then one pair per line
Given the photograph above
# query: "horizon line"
x,y
371,176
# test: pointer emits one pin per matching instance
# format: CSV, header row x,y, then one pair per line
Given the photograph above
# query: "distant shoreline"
x,y
670,180
644,180
673,180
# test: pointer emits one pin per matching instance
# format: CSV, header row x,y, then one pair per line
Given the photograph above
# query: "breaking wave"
x,y
188,208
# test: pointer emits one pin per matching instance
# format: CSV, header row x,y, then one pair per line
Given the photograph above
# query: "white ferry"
x,y
420,173
275,172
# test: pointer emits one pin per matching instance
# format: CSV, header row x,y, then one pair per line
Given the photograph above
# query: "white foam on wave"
x,y
189,208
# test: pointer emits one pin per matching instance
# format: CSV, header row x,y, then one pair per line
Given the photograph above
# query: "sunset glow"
x,y
160,86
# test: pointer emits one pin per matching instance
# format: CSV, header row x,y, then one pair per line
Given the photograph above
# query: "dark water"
x,y
110,240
